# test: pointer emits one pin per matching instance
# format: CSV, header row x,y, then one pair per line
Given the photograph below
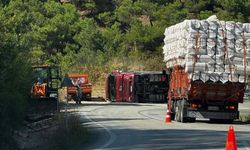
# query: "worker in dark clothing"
x,y
79,94
164,75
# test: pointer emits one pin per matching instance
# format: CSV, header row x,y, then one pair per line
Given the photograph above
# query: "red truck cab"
x,y
128,87
120,86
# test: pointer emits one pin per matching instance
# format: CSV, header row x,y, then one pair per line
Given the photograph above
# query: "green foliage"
x,y
12,109
112,39
15,68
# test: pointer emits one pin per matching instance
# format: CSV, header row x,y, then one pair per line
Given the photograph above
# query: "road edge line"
x,y
112,136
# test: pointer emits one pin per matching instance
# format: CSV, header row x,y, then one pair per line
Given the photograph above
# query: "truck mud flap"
x,y
213,115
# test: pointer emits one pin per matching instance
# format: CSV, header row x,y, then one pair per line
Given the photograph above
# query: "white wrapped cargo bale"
x,y
210,51
229,68
238,60
195,76
219,59
224,77
246,27
230,44
214,77
199,66
210,68
204,77
240,69
248,43
201,58
242,79
219,69
191,50
230,26
238,28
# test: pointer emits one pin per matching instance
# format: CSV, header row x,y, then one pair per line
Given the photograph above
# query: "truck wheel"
x,y
173,107
177,111
183,111
172,115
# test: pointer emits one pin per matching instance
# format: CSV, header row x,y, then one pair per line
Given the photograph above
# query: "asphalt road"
x,y
141,126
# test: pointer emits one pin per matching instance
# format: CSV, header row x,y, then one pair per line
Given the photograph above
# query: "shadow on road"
x,y
168,139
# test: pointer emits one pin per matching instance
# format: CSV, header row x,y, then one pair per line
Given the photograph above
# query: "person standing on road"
x,y
77,84
79,94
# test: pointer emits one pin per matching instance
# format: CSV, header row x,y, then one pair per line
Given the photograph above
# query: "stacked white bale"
x,y
209,49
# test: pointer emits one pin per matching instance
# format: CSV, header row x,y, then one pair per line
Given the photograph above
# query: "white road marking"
x,y
160,118
112,136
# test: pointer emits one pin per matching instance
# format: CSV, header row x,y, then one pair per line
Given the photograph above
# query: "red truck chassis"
x,y
195,99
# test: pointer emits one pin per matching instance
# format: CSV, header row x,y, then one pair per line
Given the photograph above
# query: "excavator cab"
x,y
47,81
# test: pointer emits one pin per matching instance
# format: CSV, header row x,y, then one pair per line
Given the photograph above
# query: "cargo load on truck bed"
x,y
209,64
209,49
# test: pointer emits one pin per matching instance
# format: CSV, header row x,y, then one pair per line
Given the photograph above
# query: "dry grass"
x,y
70,134
99,89
245,118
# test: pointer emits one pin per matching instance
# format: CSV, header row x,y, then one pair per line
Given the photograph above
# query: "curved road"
x,y
141,126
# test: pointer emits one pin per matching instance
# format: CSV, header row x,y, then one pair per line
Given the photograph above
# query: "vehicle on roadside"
x,y
195,99
209,70
81,88
141,87
46,83
44,91
110,86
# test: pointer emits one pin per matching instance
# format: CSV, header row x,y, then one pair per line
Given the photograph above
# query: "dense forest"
x,y
94,35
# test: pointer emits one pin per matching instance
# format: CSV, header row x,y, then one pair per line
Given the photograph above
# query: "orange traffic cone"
x,y
231,141
168,116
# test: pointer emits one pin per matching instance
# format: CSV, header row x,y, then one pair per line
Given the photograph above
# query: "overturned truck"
x,y
209,63
141,87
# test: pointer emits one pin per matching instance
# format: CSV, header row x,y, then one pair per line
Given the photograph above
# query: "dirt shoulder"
x,y
63,133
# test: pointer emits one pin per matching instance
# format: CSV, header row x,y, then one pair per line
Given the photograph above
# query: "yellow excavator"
x,y
44,91
46,83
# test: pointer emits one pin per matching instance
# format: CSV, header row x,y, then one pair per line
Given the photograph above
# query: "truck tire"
x,y
183,111
173,107
178,111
